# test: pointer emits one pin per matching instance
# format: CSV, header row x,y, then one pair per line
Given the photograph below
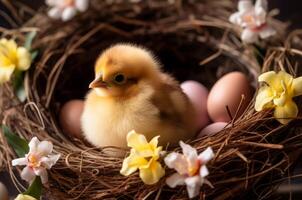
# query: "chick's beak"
x,y
98,83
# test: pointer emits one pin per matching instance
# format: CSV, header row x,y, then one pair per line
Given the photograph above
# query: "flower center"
x,y
8,56
68,3
33,161
193,170
250,19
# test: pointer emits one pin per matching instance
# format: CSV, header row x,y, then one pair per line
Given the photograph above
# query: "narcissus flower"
x,y
24,197
277,93
191,168
12,58
253,20
143,157
38,159
66,9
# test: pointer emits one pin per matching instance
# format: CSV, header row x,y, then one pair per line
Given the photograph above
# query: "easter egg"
x,y
70,118
3,192
227,92
212,129
198,95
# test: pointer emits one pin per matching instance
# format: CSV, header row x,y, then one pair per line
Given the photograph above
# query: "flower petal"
x,y
190,153
286,113
261,4
55,13
274,79
193,186
177,162
44,148
135,140
266,32
132,163
5,73
140,144
82,5
33,145
10,45
203,172
28,174
281,100
154,142
24,58
42,173
68,13
235,18
261,12
268,77
175,180
263,98
245,5
19,161
50,2
49,161
151,174
297,86
206,155
286,78
249,36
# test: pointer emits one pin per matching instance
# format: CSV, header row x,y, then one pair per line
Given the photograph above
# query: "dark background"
x,y
290,11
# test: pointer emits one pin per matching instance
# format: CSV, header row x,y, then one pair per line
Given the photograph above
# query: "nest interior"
x,y
191,42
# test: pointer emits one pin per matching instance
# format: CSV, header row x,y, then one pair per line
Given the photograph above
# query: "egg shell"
x,y
198,95
228,91
212,129
3,192
70,118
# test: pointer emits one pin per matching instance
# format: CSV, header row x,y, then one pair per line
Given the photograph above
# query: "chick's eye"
x,y
119,79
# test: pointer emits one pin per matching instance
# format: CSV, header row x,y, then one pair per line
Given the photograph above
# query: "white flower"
x,y
37,160
191,168
253,20
66,9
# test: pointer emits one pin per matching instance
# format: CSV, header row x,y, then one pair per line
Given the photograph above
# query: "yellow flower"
x,y
143,156
278,93
24,197
12,57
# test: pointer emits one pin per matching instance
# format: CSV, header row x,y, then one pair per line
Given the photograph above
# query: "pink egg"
x,y
212,129
198,95
228,92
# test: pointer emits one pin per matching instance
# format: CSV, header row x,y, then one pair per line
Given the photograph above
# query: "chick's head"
x,y
122,68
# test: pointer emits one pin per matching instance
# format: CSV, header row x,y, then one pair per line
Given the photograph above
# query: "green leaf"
x,y
21,94
29,39
18,79
34,54
20,145
18,84
35,189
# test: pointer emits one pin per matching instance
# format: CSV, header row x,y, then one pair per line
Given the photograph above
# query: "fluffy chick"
x,y
130,92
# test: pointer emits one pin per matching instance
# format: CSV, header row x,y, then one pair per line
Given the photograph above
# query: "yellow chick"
x,y
130,92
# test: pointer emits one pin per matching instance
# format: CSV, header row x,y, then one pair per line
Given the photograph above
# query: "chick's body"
x,y
131,93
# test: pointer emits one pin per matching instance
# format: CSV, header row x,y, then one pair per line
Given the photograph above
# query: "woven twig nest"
x,y
193,41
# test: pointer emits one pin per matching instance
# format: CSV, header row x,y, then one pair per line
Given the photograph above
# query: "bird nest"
x,y
252,155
